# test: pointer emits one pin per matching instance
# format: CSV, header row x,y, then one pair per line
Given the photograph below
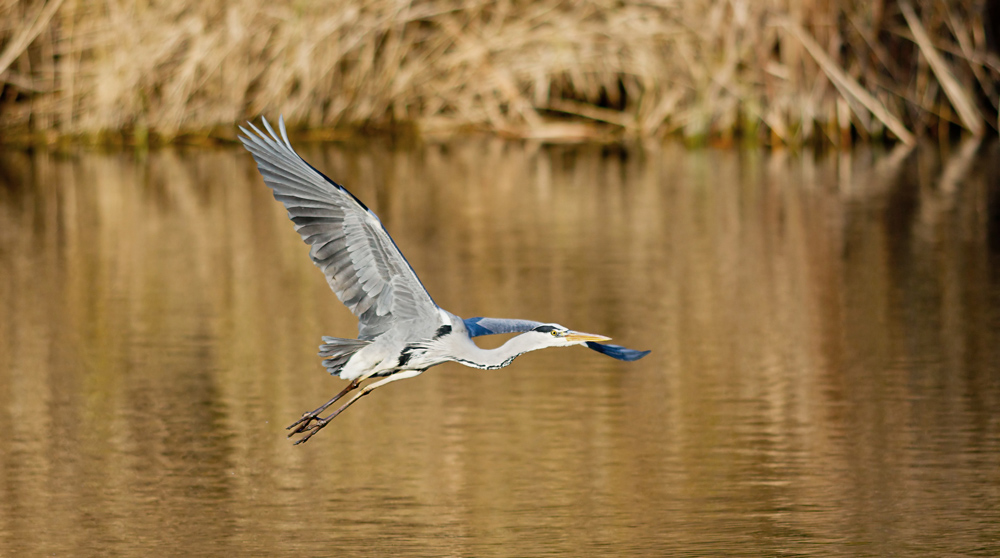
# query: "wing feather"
x,y
362,264
617,351
493,326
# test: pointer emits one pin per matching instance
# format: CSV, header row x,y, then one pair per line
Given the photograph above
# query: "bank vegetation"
x,y
778,71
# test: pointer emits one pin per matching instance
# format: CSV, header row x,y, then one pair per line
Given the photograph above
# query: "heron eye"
x,y
554,333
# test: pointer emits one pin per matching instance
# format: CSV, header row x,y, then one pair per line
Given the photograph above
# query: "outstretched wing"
x,y
493,326
360,260
617,351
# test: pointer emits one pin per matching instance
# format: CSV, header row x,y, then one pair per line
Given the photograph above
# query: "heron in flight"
x,y
401,331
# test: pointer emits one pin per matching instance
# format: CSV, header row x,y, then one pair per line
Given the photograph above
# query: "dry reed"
x,y
784,71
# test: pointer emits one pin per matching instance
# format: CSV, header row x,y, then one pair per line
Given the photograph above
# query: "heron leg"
x,y
313,428
307,418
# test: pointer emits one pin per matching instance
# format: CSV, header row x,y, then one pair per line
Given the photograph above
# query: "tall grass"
x,y
784,71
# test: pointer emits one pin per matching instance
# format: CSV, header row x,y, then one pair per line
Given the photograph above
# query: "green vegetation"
x,y
782,72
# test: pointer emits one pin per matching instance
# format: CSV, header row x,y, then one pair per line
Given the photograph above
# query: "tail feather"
x,y
337,352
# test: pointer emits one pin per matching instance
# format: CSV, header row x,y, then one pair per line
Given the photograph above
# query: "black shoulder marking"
x,y
543,328
404,356
442,331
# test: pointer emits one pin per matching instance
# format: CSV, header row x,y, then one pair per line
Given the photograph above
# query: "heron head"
x,y
556,335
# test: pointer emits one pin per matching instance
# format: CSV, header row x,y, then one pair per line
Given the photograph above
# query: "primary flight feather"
x,y
401,331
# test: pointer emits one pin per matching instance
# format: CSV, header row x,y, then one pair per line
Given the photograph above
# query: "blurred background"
x,y
794,205
776,71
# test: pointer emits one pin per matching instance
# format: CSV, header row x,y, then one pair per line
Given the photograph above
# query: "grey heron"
x,y
401,331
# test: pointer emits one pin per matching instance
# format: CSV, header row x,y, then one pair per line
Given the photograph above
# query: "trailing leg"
x,y
312,428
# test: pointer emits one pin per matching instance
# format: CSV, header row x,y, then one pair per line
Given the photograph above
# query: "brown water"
x,y
825,378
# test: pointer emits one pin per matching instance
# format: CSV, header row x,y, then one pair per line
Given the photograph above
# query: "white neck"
x,y
461,349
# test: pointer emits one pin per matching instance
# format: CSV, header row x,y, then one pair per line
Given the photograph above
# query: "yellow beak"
x,y
582,337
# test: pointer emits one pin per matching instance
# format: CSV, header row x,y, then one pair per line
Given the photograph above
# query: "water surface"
x,y
825,375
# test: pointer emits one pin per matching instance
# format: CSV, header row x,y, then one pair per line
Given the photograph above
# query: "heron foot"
x,y
306,421
310,429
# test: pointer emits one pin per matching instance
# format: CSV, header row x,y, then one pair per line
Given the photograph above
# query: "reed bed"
x,y
781,71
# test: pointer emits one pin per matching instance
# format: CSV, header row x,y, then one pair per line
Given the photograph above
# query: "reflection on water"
x,y
825,377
